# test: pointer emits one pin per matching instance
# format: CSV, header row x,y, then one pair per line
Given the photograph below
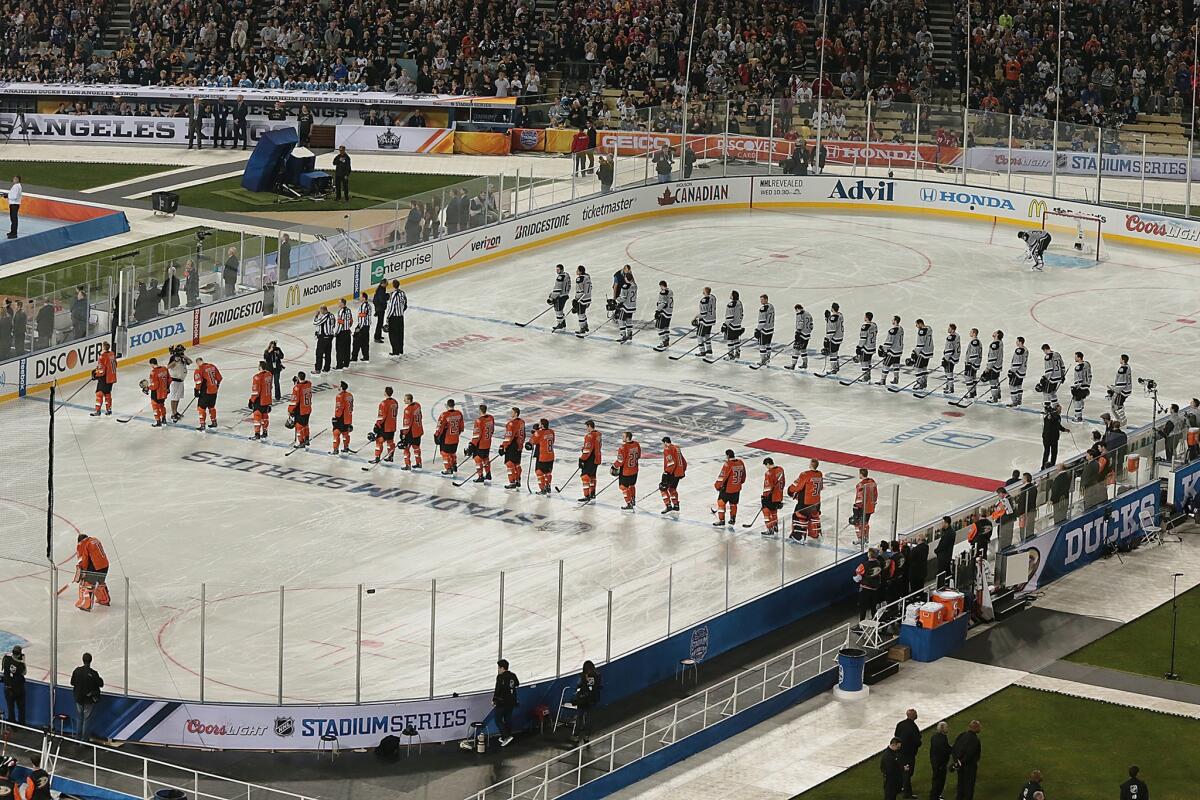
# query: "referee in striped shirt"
x,y
397,305
326,325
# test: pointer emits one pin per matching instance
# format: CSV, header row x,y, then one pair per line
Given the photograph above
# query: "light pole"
x,y
687,85
1172,675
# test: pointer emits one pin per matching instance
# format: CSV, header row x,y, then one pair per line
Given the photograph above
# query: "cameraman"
x,y
177,367
1169,431
13,674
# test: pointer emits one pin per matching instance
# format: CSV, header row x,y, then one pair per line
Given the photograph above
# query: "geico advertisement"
x,y
317,288
231,313
64,362
301,728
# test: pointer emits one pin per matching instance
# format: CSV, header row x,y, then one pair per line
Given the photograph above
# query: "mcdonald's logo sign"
x,y
1037,209
292,299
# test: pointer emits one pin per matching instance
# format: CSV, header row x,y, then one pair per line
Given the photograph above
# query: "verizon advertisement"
x,y
138,130
377,139
238,727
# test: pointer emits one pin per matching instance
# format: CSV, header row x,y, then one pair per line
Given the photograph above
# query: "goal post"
x,y
1074,233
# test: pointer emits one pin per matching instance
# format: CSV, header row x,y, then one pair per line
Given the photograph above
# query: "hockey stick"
x,y
529,471
597,494
945,386
477,472
530,322
909,385
750,524
131,416
568,480
864,375
185,409
699,344
297,446
770,356
597,328
960,404
77,391
729,351
645,325
659,348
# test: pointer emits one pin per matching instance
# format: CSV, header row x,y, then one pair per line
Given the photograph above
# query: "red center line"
x,y
877,464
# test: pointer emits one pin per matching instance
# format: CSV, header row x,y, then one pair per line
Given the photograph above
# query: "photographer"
x,y
177,366
1169,431
12,671
587,695
274,356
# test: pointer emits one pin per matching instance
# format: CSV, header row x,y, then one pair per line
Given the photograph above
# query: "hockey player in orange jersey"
x,y
511,446
806,491
412,427
262,390
343,419
105,374
384,432
91,572
208,382
866,495
300,407
158,386
480,446
625,468
674,468
774,482
541,443
590,460
449,431
729,488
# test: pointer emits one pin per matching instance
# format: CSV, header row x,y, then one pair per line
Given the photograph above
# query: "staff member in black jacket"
x,y
220,123
939,760
944,550
326,325
909,736
196,114
1032,787
967,752
240,112
1134,788
504,700
918,564
1052,428
305,120
13,674
893,769
379,301
341,174
86,684
587,695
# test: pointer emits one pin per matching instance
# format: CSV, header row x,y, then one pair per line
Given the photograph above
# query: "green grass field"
x,y
1143,646
1082,747
74,176
366,189
150,251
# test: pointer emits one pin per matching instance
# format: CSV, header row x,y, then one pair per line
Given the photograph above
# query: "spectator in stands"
x,y
230,272
284,260
412,224
663,163
191,283
966,754
894,770
1134,788
45,325
1026,504
504,700
416,119
12,672
587,695
145,304
1060,493
86,684
80,311
6,331
20,325
909,735
170,288
606,172
939,760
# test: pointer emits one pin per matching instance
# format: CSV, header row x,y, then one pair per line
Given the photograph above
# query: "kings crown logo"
x,y
388,140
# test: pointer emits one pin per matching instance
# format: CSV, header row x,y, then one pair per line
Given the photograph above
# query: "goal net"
x,y
1078,235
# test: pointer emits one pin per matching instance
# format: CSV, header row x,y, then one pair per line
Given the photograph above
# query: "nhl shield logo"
x,y
285,726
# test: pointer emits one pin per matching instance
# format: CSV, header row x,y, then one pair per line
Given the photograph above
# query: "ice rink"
x,y
178,509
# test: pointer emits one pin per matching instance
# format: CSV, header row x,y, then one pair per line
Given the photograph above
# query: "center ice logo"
x,y
651,412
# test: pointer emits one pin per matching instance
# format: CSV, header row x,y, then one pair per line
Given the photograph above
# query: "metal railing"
x,y
688,717
125,772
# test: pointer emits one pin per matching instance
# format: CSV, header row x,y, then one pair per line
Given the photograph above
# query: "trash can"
x,y
169,794
851,664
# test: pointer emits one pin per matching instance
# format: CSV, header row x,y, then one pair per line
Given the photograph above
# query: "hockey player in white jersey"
x,y
1037,241
706,319
891,351
732,327
865,350
922,354
972,362
1017,369
764,329
1053,371
804,329
664,307
951,353
626,306
1121,388
560,293
995,363
582,299
835,332
1081,386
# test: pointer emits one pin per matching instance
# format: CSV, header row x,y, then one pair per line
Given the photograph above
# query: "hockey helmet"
x,y
290,422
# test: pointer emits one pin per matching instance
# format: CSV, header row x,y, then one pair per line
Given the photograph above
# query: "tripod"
x,y
19,127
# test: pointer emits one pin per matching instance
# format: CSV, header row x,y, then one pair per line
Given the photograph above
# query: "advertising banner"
x,y
317,288
139,130
232,313
1185,485
888,154
160,333
246,727
135,93
1082,540
62,362
482,144
377,139
1001,159
742,148
528,139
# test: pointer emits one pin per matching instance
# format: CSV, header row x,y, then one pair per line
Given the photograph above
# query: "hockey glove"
x,y
250,404
882,352
574,306
549,301
290,423
197,391
758,336
581,463
614,470
610,304
827,314
372,436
